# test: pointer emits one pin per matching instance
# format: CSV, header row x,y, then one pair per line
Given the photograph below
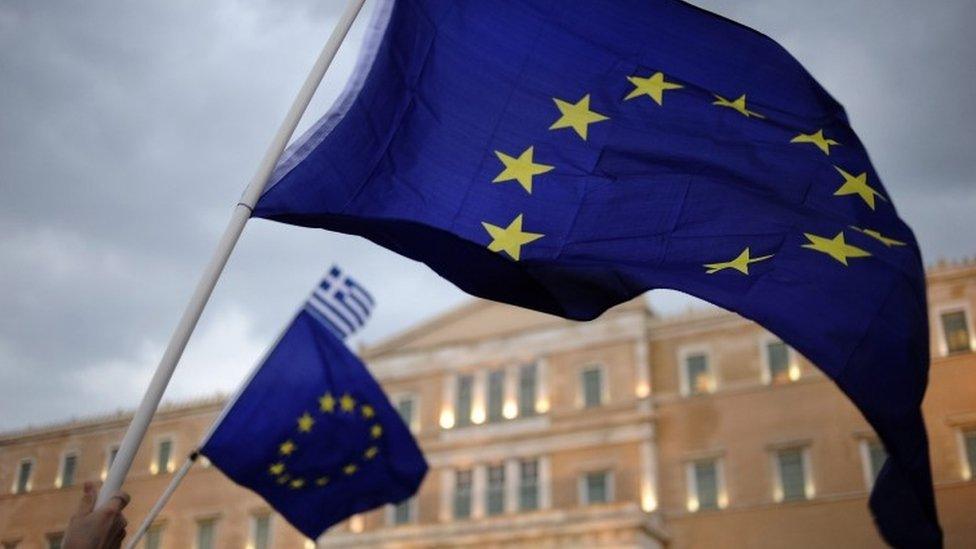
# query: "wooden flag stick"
x,y
242,212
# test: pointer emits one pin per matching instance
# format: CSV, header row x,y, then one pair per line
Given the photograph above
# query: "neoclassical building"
x,y
633,430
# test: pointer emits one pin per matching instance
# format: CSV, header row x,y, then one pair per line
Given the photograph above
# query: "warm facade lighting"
x,y
510,409
542,405
642,390
447,419
309,544
808,487
648,500
356,524
154,468
478,415
692,503
723,499
794,372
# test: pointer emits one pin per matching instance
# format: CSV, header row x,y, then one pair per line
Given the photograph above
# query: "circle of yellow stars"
x,y
305,423
523,167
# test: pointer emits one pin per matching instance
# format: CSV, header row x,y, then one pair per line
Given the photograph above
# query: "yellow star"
x,y
887,241
287,448
520,169
835,247
327,403
347,403
576,115
817,138
510,239
857,184
738,105
376,431
321,481
277,468
305,423
367,411
740,263
653,87
283,479
371,452
297,483
350,469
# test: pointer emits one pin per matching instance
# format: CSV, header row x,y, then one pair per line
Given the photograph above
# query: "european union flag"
x,y
313,433
568,156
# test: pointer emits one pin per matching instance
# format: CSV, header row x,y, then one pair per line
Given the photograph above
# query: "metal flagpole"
x,y
161,502
150,401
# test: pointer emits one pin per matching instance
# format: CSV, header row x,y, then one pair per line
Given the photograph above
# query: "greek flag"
x,y
340,303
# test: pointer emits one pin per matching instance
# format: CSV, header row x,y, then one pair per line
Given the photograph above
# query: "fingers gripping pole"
x,y
161,502
154,393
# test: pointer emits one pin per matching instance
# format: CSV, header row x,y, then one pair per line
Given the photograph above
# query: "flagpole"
x,y
242,212
163,499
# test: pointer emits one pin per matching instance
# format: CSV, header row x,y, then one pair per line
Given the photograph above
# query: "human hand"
x,y
102,528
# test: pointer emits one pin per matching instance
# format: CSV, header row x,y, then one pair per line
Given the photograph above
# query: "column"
x,y
545,483
542,402
648,470
511,485
479,491
447,419
447,491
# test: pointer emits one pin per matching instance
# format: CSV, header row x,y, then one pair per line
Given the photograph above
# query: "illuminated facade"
x,y
699,430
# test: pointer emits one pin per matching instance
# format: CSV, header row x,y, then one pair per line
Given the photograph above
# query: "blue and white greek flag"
x,y
340,303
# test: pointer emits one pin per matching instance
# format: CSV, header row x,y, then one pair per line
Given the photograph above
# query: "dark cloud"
x,y
127,132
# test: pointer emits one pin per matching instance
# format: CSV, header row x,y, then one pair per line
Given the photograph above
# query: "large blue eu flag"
x,y
568,156
311,431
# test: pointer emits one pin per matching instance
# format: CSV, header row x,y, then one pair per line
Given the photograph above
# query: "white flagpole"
x,y
164,371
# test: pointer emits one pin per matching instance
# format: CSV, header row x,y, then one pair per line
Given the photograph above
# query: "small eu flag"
x,y
568,156
313,433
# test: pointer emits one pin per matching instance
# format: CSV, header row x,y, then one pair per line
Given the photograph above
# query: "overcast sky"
x,y
128,130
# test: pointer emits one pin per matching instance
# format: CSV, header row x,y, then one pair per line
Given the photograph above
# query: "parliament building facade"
x,y
633,430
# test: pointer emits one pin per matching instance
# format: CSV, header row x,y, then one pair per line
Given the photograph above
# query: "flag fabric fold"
x,y
568,156
313,433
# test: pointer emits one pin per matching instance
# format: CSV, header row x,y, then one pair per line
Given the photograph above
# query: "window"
x,y
55,541
465,388
495,504
529,485
260,531
403,512
462,493
778,366
154,537
592,380
206,530
955,329
791,469
69,463
703,485
110,455
164,457
526,389
406,407
873,456
597,487
24,476
697,375
969,449
496,394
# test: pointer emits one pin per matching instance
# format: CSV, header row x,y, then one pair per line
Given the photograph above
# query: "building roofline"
x,y
120,417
